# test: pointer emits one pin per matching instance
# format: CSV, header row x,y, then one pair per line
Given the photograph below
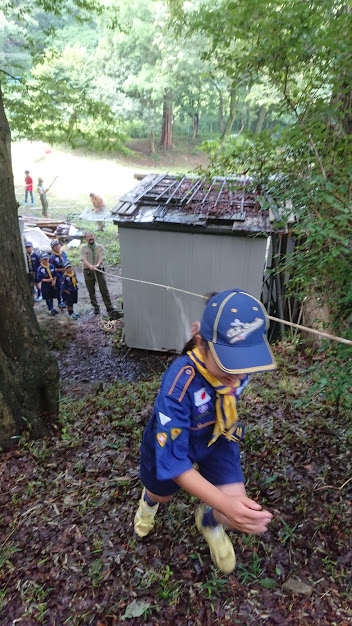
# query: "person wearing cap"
x,y
28,188
46,274
58,259
33,262
42,196
195,423
93,258
70,289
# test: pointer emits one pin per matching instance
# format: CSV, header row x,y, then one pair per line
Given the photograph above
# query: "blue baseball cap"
x,y
235,325
67,264
28,244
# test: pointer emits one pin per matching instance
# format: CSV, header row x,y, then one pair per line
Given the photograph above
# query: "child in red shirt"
x,y
28,188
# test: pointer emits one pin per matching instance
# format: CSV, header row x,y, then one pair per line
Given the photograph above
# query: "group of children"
x,y
53,277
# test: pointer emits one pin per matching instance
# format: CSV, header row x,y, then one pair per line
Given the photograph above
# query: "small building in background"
x,y
180,239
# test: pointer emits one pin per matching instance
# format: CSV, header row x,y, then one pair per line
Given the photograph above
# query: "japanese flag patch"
x,y
201,397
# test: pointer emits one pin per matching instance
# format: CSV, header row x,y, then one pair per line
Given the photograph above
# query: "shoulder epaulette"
x,y
181,382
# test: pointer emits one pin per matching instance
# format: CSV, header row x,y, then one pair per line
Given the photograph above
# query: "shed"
x,y
189,234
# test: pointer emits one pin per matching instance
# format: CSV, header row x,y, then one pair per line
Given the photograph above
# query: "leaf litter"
x,y
68,555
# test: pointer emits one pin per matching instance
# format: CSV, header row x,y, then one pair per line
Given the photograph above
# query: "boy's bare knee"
x,y
155,498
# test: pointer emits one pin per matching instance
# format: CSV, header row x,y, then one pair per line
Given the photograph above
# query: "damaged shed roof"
x,y
167,201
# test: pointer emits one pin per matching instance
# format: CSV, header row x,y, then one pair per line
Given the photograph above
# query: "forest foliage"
x,y
266,85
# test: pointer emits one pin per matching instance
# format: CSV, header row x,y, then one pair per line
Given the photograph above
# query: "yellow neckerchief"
x,y
71,274
29,261
225,404
47,267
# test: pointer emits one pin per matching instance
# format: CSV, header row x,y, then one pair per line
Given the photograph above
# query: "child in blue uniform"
x,y
47,276
194,422
70,290
33,263
58,259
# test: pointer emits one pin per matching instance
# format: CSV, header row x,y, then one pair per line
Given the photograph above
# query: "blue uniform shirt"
x,y
67,283
58,261
33,261
180,428
47,289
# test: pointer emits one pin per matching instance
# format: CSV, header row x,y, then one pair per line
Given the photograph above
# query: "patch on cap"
x,y
235,326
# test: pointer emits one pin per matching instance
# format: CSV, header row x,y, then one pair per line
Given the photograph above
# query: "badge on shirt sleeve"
x,y
201,397
162,439
175,432
164,419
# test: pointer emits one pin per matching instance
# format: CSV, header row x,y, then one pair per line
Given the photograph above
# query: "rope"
x,y
197,295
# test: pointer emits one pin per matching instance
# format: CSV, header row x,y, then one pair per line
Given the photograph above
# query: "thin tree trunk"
x,y
232,114
260,119
221,112
166,131
195,125
152,142
29,375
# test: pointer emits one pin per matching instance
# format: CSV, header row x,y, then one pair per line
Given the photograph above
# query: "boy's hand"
x,y
246,515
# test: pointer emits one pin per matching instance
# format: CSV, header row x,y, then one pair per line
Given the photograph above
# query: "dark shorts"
x,y
70,298
221,465
48,291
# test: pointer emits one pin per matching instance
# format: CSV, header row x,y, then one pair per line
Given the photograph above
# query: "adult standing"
x,y
42,195
28,188
93,257
98,207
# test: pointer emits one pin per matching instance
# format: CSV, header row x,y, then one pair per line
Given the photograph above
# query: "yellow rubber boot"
x,y
221,548
145,517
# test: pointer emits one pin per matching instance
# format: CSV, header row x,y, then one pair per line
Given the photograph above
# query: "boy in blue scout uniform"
x,y
70,290
194,421
47,276
33,262
58,259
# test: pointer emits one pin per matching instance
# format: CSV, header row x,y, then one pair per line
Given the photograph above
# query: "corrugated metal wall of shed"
x,y
160,319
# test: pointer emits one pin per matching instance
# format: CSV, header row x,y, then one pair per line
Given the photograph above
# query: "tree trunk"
x,y
29,374
195,126
152,142
166,131
221,112
260,119
232,114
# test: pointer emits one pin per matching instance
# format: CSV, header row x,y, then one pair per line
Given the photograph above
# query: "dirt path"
x,y
90,351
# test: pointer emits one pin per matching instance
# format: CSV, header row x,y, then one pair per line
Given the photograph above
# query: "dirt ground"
x,y
68,555
90,351
85,348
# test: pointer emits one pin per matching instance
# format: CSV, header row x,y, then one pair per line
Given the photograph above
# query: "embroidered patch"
x,y
175,432
162,439
164,419
201,397
203,408
241,330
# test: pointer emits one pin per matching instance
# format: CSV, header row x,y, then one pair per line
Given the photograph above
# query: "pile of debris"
x,y
41,231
